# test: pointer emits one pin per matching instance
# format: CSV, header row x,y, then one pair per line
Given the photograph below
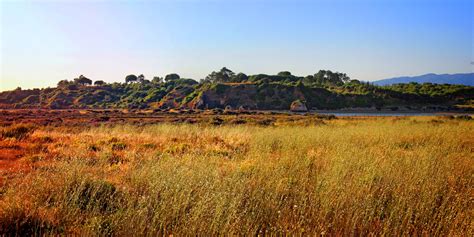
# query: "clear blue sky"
x,y
43,42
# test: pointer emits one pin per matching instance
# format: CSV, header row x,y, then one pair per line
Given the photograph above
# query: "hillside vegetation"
x,y
221,89
384,176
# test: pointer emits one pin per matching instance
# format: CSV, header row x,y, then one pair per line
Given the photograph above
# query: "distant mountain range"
x,y
459,78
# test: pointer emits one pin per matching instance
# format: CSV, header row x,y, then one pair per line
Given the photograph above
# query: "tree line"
x,y
225,75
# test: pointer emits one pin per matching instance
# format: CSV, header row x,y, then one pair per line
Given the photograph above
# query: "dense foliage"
x,y
323,90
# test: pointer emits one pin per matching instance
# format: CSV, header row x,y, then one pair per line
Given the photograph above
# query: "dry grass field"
x,y
346,176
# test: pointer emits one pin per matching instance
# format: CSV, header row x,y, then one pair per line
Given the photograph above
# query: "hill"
x,y
225,89
457,79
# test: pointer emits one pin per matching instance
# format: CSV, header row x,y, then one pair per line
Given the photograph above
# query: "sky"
x,y
43,42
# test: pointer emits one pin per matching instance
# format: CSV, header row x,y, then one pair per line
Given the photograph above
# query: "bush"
x,y
238,121
91,195
118,146
459,117
93,147
16,221
217,121
221,88
464,117
266,122
326,116
17,131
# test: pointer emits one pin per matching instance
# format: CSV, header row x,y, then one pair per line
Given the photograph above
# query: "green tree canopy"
x,y
99,83
64,83
141,78
172,77
284,74
131,78
223,75
241,77
82,80
157,80
327,78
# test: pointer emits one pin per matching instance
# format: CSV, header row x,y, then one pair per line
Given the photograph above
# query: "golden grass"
x,y
391,176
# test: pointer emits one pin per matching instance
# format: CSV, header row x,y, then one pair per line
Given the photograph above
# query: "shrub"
x,y
113,140
238,121
217,111
93,147
464,117
221,88
117,146
45,139
217,121
266,122
16,221
326,116
459,117
91,195
18,131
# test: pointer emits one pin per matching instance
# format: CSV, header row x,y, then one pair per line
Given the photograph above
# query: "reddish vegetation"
x,y
16,154
91,117
80,172
10,155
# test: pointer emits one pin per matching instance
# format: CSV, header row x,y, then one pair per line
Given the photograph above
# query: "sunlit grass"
x,y
408,176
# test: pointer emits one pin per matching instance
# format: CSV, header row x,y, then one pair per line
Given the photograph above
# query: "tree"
x,y
141,78
99,83
223,75
204,80
64,83
171,77
82,80
344,77
354,81
329,78
308,80
131,78
241,77
284,74
320,77
227,72
157,80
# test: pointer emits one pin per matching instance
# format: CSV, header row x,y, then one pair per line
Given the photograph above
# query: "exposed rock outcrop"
x,y
298,106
